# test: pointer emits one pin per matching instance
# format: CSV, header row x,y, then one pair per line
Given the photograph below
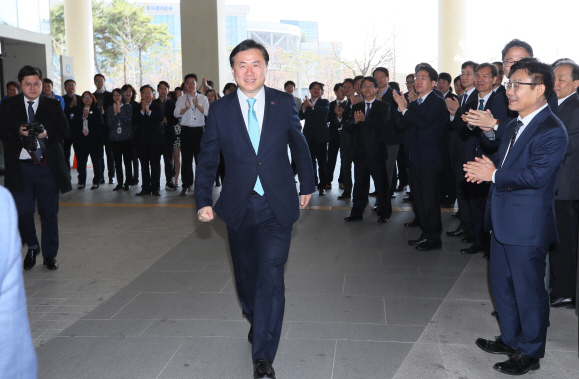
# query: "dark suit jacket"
x,y
568,185
108,100
501,89
149,131
393,136
13,114
316,125
335,124
370,136
520,206
426,124
474,146
67,109
226,131
171,119
97,132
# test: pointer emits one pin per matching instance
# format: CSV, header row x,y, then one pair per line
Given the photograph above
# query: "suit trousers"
x,y
67,148
110,161
462,198
259,251
563,257
123,151
363,169
333,150
426,198
41,190
82,154
516,274
401,173
135,157
319,153
150,156
190,148
477,198
346,159
391,163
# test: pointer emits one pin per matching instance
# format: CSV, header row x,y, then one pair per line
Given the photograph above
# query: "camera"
x,y
29,142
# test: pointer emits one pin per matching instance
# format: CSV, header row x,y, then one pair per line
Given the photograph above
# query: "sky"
x,y
549,26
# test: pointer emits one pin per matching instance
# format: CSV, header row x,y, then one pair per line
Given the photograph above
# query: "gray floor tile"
x,y
306,358
567,361
562,334
400,286
152,281
358,332
314,283
106,328
324,308
198,328
423,361
113,305
410,311
178,266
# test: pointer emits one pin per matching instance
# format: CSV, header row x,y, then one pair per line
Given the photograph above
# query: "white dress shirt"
x,y
484,99
23,153
422,97
559,101
258,106
465,97
193,117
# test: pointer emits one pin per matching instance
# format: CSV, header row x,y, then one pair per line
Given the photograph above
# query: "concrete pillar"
x,y
79,42
203,40
451,35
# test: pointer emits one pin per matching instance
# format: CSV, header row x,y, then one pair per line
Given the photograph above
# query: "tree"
x,y
376,53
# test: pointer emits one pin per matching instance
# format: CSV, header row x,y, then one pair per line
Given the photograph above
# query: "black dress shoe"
x,y
412,223
30,258
382,220
344,196
50,263
468,239
112,181
430,245
417,242
495,314
263,369
456,215
494,347
118,187
250,335
102,181
456,233
184,191
156,193
94,186
372,193
127,187
400,189
518,364
557,302
81,186
407,200
135,181
473,249
322,192
353,218
142,193
375,209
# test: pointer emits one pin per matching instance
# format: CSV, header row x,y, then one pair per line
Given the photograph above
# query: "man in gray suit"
x,y
563,257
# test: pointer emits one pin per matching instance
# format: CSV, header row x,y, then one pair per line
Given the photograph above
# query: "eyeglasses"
x,y
467,74
412,82
516,85
34,84
511,61
422,78
99,80
368,86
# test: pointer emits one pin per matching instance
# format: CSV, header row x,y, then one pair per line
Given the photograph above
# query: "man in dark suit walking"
x,y
252,127
369,123
520,214
105,100
346,150
426,120
448,187
336,107
563,257
34,177
315,112
168,109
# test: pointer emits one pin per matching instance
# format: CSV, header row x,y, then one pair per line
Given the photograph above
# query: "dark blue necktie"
x,y
420,100
368,109
513,138
38,151
481,106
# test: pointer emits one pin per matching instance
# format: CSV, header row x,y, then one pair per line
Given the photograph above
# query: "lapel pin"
x,y
273,103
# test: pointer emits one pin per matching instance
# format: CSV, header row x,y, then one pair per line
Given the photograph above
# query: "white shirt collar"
x,y
527,120
425,96
370,102
485,99
259,97
565,98
467,93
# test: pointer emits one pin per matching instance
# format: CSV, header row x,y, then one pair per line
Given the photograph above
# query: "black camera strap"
x,y
40,162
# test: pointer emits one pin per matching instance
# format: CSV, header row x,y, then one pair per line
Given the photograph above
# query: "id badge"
x,y
119,130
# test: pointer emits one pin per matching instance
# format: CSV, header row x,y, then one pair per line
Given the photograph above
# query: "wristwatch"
x,y
496,126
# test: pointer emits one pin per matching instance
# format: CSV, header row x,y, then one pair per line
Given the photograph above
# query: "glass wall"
x,y
33,15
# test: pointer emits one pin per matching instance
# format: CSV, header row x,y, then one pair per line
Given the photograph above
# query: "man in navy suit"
x,y
520,214
259,203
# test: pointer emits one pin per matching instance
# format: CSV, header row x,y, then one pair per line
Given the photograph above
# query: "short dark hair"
x,y
145,87
348,80
228,86
46,80
381,69
178,89
395,86
162,82
497,62
212,90
312,84
133,91
574,68
432,74
445,76
69,80
517,43
559,61
417,67
337,86
97,75
455,79
539,73
289,83
359,77
494,69
13,84
120,91
248,44
189,76
371,80
94,100
409,75
210,83
471,64
29,71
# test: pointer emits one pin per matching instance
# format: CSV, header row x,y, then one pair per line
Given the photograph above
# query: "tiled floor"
x,y
144,290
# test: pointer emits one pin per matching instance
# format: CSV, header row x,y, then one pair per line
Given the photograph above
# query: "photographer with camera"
x,y
32,128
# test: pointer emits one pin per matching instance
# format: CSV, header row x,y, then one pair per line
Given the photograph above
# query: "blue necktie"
x,y
367,109
513,138
38,151
254,136
420,100
481,106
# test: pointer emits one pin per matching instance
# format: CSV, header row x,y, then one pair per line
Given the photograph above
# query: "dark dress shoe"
x,y
430,245
30,258
156,193
494,347
393,196
135,181
328,186
474,249
456,233
102,181
468,239
81,186
407,200
382,220
142,193
118,187
495,314
375,209
455,215
322,192
557,302
372,193
447,205
353,218
341,186
94,186
112,181
184,191
518,364
400,189
127,187
344,196
412,223
263,369
50,263
250,335
417,242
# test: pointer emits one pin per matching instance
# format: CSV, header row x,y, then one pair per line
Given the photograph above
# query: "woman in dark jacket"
x,y
87,138
130,98
120,135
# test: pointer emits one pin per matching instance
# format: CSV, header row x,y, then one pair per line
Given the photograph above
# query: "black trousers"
x,y
477,198
40,190
168,161
319,153
259,251
66,147
333,150
346,159
123,151
110,161
401,174
190,148
448,187
135,158
363,169
150,157
82,153
464,214
426,199
563,257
